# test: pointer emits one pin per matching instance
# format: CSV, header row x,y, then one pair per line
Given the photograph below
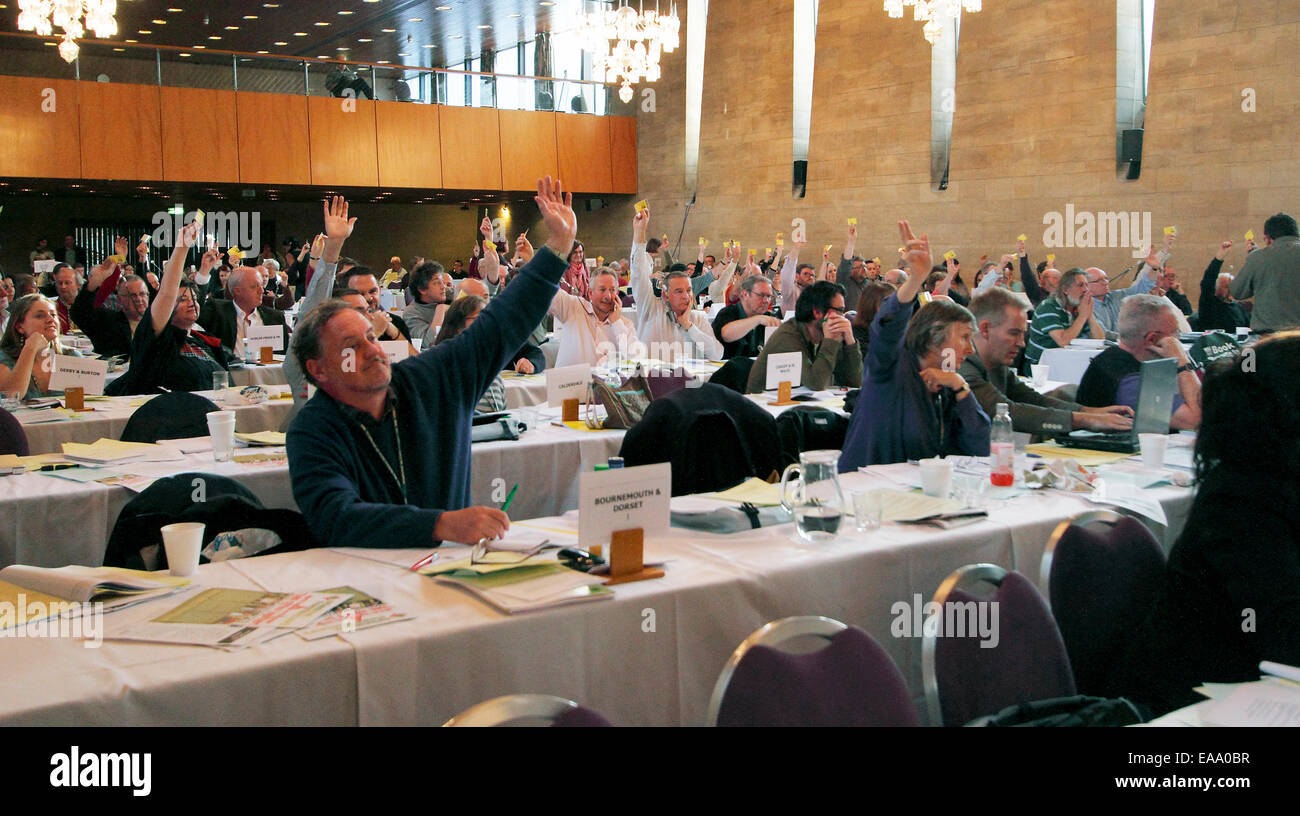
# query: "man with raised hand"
x,y
325,252
667,323
380,457
111,329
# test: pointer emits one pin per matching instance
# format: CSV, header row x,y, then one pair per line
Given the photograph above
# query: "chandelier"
x,y
42,16
934,13
638,39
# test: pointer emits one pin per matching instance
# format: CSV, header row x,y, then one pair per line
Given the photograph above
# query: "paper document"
x,y
263,438
1264,703
1084,456
904,506
753,490
231,617
360,611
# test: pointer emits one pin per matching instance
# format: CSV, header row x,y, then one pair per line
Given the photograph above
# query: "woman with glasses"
x,y
914,404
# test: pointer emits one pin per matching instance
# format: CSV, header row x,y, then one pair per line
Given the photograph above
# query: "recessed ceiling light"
x,y
280,42
145,31
364,39
442,8
214,36
485,26
322,24
430,45
263,52
232,28
250,16
343,48
455,36
175,10
416,20
382,62
187,55
345,12
516,14
300,33
159,22
388,30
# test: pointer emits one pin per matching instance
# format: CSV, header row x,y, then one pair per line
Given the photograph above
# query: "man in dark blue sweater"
x,y
380,457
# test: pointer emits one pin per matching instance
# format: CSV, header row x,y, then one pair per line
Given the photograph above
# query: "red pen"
x,y
428,559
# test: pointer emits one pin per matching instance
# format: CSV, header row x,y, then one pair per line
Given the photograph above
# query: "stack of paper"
x,y
269,439
512,584
11,464
360,611
107,451
114,588
753,490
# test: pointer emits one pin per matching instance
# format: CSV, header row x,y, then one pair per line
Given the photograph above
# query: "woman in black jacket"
x,y
1232,585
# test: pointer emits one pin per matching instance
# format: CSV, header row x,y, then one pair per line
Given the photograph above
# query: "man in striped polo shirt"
x,y
1061,318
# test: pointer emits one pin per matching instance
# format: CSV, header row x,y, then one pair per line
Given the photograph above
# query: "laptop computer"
x,y
1157,384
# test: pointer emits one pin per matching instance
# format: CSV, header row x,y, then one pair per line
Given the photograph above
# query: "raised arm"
x,y
1210,280
916,253
642,289
160,311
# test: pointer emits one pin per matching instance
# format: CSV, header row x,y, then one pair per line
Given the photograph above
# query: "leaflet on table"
x,y
40,416
80,474
1266,702
107,451
231,617
270,439
504,555
360,611
1123,496
524,589
904,506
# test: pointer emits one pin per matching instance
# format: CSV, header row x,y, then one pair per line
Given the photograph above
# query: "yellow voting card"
x,y
1250,235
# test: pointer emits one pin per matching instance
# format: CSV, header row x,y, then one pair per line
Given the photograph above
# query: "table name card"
x,y
787,367
567,382
397,350
621,499
83,372
258,337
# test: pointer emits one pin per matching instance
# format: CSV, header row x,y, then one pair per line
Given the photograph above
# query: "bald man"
x,y
231,319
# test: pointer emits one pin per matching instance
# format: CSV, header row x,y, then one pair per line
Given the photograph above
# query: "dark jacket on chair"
x,y
714,438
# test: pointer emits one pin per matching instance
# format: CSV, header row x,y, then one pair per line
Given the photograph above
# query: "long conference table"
x,y
650,656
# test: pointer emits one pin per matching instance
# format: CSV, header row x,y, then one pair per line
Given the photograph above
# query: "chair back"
x,y
174,415
13,439
525,709
991,644
810,427
734,374
773,679
1102,573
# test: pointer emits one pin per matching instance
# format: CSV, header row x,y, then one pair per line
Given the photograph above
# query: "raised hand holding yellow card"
x,y
1051,258
642,205
1022,237
1250,235
949,255
853,222
703,242
1171,230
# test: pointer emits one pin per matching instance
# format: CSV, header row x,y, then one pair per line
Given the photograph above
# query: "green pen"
x,y
509,498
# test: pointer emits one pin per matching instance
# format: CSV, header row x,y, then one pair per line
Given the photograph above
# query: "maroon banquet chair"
x,y
1102,573
964,679
528,709
13,439
849,681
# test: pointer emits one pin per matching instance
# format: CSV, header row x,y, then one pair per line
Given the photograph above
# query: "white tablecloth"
x,y
649,657
110,415
46,521
1068,364
255,374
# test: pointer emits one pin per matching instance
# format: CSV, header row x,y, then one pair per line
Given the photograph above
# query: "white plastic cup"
x,y
868,508
1153,450
183,542
936,478
221,427
1040,372
1243,333
220,382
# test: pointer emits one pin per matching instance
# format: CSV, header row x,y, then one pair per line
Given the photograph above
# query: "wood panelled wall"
x,y
67,129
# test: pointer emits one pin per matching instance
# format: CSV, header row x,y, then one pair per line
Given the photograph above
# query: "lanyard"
x,y
401,463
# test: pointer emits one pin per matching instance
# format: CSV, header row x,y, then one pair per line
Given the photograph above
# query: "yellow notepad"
x,y
266,438
1084,456
753,490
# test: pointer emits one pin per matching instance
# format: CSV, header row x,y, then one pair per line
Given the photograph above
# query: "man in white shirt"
x,y
668,325
595,331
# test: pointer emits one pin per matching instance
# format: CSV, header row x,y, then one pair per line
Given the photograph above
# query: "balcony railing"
x,y
114,61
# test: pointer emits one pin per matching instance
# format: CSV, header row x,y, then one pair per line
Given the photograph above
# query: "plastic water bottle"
x,y
1002,448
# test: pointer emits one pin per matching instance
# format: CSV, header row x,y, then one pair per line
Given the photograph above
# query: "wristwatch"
x,y
1188,367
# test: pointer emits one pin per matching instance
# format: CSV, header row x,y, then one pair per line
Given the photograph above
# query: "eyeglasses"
x,y
483,553
836,309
